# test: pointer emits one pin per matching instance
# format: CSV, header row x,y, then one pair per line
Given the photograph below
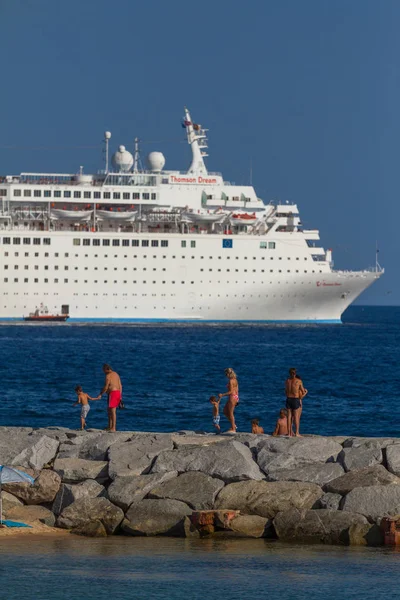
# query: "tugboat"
x,y
42,315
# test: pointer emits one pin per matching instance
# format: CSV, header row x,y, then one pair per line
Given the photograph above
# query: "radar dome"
x,y
156,161
122,160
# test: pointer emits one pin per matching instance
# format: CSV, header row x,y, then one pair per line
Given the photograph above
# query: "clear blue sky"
x,y
306,90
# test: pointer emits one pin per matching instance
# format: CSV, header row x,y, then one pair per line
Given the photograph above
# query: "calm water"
x,y
175,569
169,372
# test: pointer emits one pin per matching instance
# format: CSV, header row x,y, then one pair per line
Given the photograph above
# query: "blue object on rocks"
x,y
15,524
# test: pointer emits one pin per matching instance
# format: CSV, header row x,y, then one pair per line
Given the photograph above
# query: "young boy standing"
x,y
216,418
83,400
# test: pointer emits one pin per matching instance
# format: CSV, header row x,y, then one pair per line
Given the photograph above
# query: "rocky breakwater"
x,y
331,490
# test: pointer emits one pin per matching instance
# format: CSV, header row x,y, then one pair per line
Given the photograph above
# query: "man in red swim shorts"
x,y
112,387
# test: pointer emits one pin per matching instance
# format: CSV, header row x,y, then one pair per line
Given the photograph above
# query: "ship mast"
x,y
197,139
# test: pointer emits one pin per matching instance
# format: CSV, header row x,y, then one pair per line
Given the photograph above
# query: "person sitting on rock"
x,y
255,426
83,399
216,418
281,427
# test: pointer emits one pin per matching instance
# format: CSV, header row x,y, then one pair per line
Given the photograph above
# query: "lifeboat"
x,y
243,219
108,215
76,215
203,217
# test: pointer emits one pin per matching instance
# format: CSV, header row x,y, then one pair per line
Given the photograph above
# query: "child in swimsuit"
x,y
83,400
216,418
281,427
255,426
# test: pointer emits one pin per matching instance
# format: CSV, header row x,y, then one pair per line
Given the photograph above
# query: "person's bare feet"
x,y
297,435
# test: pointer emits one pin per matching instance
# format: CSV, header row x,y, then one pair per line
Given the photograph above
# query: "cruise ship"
x,y
149,244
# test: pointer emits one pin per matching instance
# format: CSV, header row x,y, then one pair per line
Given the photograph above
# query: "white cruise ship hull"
x,y
203,283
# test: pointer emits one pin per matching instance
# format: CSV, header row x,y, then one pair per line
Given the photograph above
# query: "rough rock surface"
x,y
321,526
329,501
319,473
42,491
68,493
156,517
251,526
230,461
91,529
92,446
88,510
365,535
266,499
136,456
195,489
374,502
271,462
124,491
27,449
303,449
359,457
9,501
78,469
30,514
393,459
376,475
357,442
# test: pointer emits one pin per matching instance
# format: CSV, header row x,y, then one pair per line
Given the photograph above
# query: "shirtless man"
x,y
112,387
294,392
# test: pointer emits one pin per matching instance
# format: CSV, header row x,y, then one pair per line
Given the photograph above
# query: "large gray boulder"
x,y
136,456
156,517
43,490
316,526
393,459
9,501
270,461
319,473
250,526
304,449
26,449
329,501
125,491
266,499
92,446
196,440
196,489
88,510
69,492
357,442
72,470
359,457
31,515
370,476
230,461
278,445
374,502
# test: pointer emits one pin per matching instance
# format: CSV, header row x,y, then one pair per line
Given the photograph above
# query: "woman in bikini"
x,y
233,400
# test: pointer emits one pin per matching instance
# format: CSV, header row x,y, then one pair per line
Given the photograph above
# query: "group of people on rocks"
x,y
289,417
113,388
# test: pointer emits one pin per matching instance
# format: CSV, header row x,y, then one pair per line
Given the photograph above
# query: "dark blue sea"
x,y
176,569
169,371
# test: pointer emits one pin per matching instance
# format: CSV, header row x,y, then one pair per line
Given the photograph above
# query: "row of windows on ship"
x,y
79,195
136,282
125,243
144,256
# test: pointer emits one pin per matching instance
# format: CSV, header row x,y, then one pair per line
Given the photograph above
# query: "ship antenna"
x,y
377,265
136,159
107,136
197,140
